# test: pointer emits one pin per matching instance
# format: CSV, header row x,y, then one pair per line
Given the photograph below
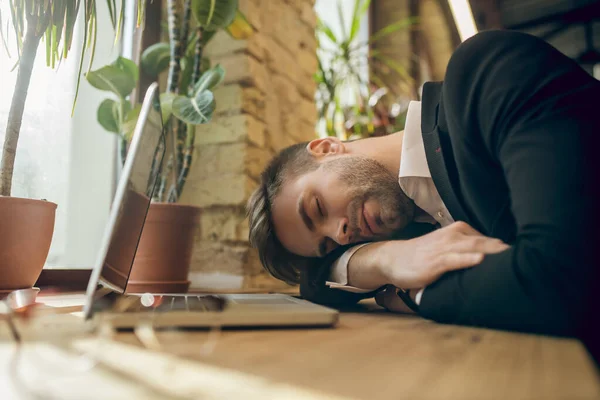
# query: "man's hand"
x,y
416,263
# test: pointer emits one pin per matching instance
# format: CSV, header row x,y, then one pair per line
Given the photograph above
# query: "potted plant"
x,y
27,225
164,253
340,59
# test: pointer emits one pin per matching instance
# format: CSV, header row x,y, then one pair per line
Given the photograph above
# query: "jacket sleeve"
x,y
533,113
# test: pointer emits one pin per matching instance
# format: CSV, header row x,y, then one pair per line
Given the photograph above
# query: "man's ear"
x,y
326,146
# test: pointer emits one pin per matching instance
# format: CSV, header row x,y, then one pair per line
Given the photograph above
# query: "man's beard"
x,y
368,179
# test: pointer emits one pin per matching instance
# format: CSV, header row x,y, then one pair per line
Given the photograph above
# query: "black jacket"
x,y
511,139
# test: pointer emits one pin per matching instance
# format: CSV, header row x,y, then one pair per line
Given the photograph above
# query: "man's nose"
x,y
343,233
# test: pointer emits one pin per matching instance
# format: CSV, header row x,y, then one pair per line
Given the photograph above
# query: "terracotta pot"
x,y
26,229
162,261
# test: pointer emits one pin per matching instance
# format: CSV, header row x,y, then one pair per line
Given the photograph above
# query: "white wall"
x,y
93,161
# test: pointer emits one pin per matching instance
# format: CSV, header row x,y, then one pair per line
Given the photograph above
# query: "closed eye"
x,y
319,207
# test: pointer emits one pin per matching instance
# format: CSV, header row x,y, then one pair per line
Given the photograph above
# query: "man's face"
x,y
346,200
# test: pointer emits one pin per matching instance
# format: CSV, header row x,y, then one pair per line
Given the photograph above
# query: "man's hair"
x,y
285,166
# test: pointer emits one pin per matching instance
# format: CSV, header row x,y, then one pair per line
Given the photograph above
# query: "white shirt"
x,y
415,181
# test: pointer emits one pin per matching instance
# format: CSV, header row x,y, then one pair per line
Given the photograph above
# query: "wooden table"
x,y
371,354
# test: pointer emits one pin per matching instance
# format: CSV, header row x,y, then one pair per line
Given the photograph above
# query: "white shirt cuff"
x,y
339,272
418,296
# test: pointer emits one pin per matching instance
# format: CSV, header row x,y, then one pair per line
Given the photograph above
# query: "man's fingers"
x,y
479,244
452,261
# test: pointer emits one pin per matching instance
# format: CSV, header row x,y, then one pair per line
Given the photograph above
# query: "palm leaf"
x,y
323,27
2,37
383,32
342,22
112,11
358,14
399,69
120,21
141,6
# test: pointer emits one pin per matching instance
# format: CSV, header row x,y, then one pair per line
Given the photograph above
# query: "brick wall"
x,y
265,104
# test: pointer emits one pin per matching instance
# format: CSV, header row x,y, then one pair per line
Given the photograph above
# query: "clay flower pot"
x,y
26,229
162,260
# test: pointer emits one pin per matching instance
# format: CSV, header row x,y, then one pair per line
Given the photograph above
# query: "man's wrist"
x,y
365,267
385,260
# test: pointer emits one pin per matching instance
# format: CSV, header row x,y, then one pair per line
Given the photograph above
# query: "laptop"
x,y
107,297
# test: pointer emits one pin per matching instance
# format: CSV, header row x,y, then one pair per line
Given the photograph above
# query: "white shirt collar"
x,y
413,162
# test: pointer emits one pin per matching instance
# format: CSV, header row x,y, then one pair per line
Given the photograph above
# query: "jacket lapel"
x,y
431,119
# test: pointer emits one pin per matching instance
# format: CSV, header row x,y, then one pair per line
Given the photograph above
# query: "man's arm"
x,y
404,263
534,113
314,278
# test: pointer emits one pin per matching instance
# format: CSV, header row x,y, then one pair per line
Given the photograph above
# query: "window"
x,y
67,160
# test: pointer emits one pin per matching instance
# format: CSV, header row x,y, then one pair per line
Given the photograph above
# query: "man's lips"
x,y
368,222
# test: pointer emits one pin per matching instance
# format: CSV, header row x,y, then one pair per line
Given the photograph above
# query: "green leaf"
x,y
2,38
130,120
119,77
185,76
108,116
342,22
155,59
359,12
323,27
210,79
398,68
240,28
406,22
130,67
214,14
166,105
196,110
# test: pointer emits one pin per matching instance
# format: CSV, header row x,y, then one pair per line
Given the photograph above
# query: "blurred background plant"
x,y
373,109
187,100
54,22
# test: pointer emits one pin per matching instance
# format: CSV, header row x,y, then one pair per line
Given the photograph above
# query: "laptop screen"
x,y
135,189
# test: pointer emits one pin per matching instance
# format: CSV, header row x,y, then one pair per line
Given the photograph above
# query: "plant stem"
x,y
197,61
175,40
123,149
181,126
15,115
163,181
186,161
185,25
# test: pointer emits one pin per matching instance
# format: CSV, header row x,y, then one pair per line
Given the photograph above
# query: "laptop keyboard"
x,y
191,303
